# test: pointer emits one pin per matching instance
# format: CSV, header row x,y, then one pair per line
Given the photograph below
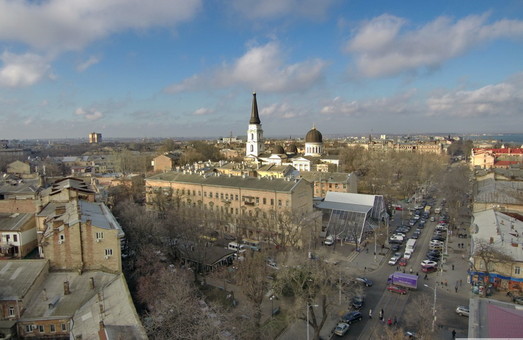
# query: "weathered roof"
x,y
82,211
263,184
120,318
14,222
12,185
334,177
503,229
17,277
498,191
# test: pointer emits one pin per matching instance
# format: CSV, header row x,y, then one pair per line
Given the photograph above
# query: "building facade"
x,y
234,198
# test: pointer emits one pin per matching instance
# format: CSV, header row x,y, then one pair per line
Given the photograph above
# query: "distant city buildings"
x,y
95,138
487,158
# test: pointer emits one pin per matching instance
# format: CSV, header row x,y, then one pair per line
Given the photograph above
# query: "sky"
x,y
187,68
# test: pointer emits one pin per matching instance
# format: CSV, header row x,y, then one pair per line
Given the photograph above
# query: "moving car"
x,y
518,300
341,328
365,281
462,310
396,289
358,301
350,317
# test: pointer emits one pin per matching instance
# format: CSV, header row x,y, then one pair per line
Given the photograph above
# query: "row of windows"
x,y
235,197
41,328
99,235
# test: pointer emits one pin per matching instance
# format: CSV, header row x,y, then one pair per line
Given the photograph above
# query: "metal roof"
x,y
263,184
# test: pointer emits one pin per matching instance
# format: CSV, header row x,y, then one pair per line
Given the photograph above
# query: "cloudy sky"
x,y
187,68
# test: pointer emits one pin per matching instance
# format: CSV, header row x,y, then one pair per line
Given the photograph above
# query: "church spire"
x,y
255,119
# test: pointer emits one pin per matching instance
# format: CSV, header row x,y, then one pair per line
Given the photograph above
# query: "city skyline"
x,y
126,68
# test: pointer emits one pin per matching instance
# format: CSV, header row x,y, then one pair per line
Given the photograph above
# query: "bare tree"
x,y
311,284
488,258
251,277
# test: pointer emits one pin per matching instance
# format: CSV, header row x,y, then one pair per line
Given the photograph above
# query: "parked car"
x,y
395,241
429,263
357,302
429,269
394,247
403,262
393,260
341,328
462,310
350,317
415,236
396,289
438,238
365,281
329,240
518,300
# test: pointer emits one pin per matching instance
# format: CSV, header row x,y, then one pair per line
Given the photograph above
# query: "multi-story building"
x,y
497,249
165,162
487,158
80,235
331,181
234,197
17,234
95,138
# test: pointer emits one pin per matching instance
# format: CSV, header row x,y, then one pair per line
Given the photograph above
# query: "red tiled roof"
x,y
505,162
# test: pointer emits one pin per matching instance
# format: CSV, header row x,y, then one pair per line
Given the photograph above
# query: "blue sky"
x,y
187,68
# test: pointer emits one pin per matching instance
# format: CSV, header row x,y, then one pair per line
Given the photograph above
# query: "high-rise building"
x,y
95,138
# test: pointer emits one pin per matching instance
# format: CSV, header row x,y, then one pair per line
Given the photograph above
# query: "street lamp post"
x,y
309,306
272,305
433,308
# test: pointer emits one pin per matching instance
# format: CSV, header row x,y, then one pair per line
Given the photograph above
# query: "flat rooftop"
x,y
17,277
14,222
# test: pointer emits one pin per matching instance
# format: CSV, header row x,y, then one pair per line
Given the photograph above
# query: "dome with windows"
x,y
313,136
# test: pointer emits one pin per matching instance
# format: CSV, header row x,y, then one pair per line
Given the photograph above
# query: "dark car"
x,y
518,300
438,238
357,302
395,247
415,236
365,281
395,241
433,257
350,317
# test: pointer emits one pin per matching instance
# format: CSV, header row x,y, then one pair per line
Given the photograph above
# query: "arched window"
x,y
252,148
252,136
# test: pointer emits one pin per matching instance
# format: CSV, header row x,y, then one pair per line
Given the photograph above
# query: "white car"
x,y
329,240
400,234
429,263
341,329
393,260
396,237
407,255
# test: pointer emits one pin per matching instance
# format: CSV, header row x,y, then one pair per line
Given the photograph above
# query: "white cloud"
x,y
269,9
399,104
202,111
503,99
88,63
62,25
20,70
261,68
89,114
281,110
384,46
